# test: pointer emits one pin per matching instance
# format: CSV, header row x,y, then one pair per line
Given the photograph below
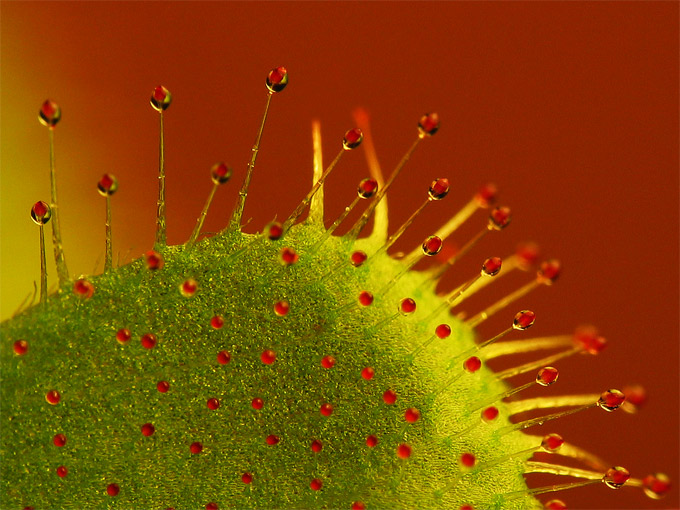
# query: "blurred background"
x,y
570,108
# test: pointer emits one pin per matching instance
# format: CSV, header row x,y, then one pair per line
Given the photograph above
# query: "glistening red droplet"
x,y
62,471
555,504
316,446
407,306
257,403
367,188
428,124
281,308
149,341
365,298
552,442
326,409
211,506
432,246
472,364
83,288
217,322
524,320
439,189
223,357
53,397
163,386
499,218
489,414
160,98
547,376
357,258
220,173
352,139
213,404
59,440
123,335
368,373
268,357
443,331
49,113
616,477
390,397
272,440
277,79
41,213
358,505
611,400
107,185
20,347
492,266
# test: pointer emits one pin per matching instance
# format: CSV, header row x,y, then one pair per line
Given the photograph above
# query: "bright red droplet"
x,y
213,404
486,195
443,331
610,400
390,397
489,414
367,188
368,373
499,218
555,504
352,139
83,288
20,347
41,213
220,173
277,79
524,320
472,364
656,485
466,507
223,357
160,98
316,446
281,308
289,256
257,403
547,376
432,246
196,447
188,287
112,489
217,322
316,484
107,185
211,506
149,341
274,231
412,415
428,124
246,478
326,409
53,397
549,271
358,505
49,113
552,442
468,460
439,189
527,254
407,306
268,357
154,260
123,335
357,258
365,298
163,386
371,441
272,440
62,471
403,451
148,429
328,361
492,266
59,440
616,477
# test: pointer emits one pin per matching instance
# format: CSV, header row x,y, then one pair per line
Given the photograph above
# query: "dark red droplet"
x,y
328,361
367,188
352,139
439,189
154,260
486,195
316,446
53,397
357,258
547,376
83,288
20,347
428,124
123,335
148,429
220,173
371,441
217,322
316,484
289,256
163,386
59,440
281,308
211,506
412,415
656,485
468,460
196,447
365,298
62,471
223,357
492,266
277,79
472,364
257,403
247,478
149,341
272,440
274,231
326,409
499,218
268,357
549,271
524,320
49,113
390,397
368,373
489,414
107,185
611,400
432,246
403,451
552,442
407,306
616,477
41,213
213,404
443,331
112,489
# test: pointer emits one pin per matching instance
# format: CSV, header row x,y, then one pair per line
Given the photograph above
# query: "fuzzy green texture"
x,y
108,389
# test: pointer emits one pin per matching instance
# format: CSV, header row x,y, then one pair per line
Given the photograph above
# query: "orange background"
x,y
570,108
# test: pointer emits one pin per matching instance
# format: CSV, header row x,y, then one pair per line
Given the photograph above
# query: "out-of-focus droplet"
x,y
492,266
616,477
549,271
358,505
371,441
41,213
220,173
439,189
611,400
328,362
468,460
154,260
486,196
432,246
161,98
113,489
20,347
247,478
188,287
489,414
656,485
148,429
83,288
271,440
428,124
367,188
281,308
352,139
274,231
217,322
277,79
49,113
316,446
524,320
552,442
499,218
412,415
547,376
390,397
289,256
107,185
407,306
588,338
527,254
367,373
196,447
268,357
404,451
316,484
62,471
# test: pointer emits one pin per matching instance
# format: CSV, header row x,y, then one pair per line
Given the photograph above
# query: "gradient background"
x,y
570,108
